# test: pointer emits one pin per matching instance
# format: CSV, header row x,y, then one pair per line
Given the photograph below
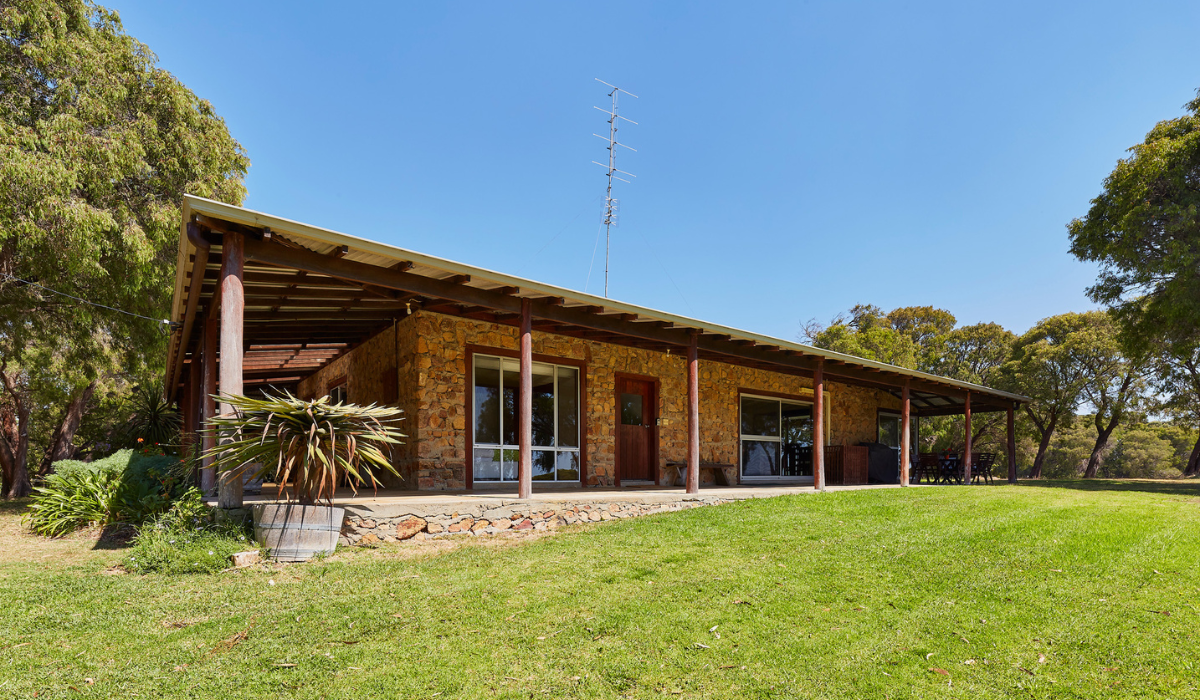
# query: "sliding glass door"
x,y
776,439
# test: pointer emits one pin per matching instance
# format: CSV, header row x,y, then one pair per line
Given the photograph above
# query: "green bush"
x,y
183,540
78,498
127,486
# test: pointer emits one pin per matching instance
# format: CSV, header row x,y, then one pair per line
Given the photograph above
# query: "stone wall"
x,y
432,379
442,345
368,525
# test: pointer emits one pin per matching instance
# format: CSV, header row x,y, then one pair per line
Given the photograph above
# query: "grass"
x,y
1026,592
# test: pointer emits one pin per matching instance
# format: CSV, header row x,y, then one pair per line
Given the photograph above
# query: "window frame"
x,y
780,400
890,413
505,355
341,383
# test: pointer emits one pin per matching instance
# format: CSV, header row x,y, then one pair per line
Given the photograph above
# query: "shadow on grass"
x,y
14,507
116,536
1180,487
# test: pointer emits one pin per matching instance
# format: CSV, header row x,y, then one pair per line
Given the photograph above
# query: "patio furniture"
x,y
928,468
951,469
982,463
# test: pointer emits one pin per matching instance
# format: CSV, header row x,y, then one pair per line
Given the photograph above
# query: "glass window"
x,y
760,458
776,438
337,394
543,405
568,407
760,417
631,409
487,464
568,466
487,401
889,429
543,465
555,427
512,392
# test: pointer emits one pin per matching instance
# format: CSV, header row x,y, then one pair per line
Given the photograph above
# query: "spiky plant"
x,y
155,421
310,444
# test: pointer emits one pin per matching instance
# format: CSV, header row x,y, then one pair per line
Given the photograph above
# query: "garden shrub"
x,y
76,499
127,486
184,540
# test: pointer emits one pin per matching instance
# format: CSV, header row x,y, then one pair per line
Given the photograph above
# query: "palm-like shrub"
x,y
154,421
312,445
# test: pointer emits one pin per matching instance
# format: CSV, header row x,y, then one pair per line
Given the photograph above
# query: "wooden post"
x,y
525,405
819,426
905,440
1012,449
208,405
187,406
229,484
693,415
967,451
189,438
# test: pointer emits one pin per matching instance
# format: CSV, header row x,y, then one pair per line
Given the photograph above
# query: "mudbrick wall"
x,y
426,354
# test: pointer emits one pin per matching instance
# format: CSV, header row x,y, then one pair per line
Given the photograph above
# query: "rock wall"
x,y
366,525
432,379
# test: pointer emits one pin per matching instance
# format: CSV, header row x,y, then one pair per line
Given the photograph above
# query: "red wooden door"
x,y
636,416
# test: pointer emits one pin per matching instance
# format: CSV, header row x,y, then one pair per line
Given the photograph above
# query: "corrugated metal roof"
x,y
380,254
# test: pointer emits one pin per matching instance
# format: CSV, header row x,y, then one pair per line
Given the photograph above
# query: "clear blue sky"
x,y
794,158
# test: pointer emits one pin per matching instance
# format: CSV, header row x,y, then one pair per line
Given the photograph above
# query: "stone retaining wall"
x,y
366,525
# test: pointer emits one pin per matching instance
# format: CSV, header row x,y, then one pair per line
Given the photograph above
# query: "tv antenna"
x,y
612,206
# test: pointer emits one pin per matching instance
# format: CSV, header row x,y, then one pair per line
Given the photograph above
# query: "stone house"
x,y
510,383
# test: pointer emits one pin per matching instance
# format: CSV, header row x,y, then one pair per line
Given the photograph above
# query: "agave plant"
x,y
311,445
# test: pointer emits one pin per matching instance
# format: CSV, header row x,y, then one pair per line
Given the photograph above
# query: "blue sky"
x,y
793,158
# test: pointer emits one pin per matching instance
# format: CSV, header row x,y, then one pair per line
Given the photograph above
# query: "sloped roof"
x,y
349,258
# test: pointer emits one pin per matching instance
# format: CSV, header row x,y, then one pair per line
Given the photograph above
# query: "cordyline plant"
x,y
312,445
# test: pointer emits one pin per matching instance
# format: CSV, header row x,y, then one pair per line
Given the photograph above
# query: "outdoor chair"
x,y
928,468
983,463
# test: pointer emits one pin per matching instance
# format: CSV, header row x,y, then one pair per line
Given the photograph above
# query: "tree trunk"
x,y
19,485
17,455
1193,465
8,439
1035,472
1093,464
61,444
1102,435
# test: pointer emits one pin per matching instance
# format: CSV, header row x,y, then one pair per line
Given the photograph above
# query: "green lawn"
x,y
1057,590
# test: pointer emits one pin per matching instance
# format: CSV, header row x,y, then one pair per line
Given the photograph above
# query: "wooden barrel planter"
x,y
293,532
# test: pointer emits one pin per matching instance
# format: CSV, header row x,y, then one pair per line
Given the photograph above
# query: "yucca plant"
x,y
311,445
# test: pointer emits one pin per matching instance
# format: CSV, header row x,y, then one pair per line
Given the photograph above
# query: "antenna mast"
x,y
612,206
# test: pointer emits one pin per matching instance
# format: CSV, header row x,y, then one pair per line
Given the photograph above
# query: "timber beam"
x,y
268,253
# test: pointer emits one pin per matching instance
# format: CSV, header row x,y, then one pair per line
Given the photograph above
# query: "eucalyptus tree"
x,y
1143,230
1047,366
1115,385
97,146
1177,377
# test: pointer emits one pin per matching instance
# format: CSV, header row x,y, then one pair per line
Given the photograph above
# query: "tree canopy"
x,y
1143,229
97,147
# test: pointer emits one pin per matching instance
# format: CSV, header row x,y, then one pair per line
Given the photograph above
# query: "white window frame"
x,y
742,437
555,448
